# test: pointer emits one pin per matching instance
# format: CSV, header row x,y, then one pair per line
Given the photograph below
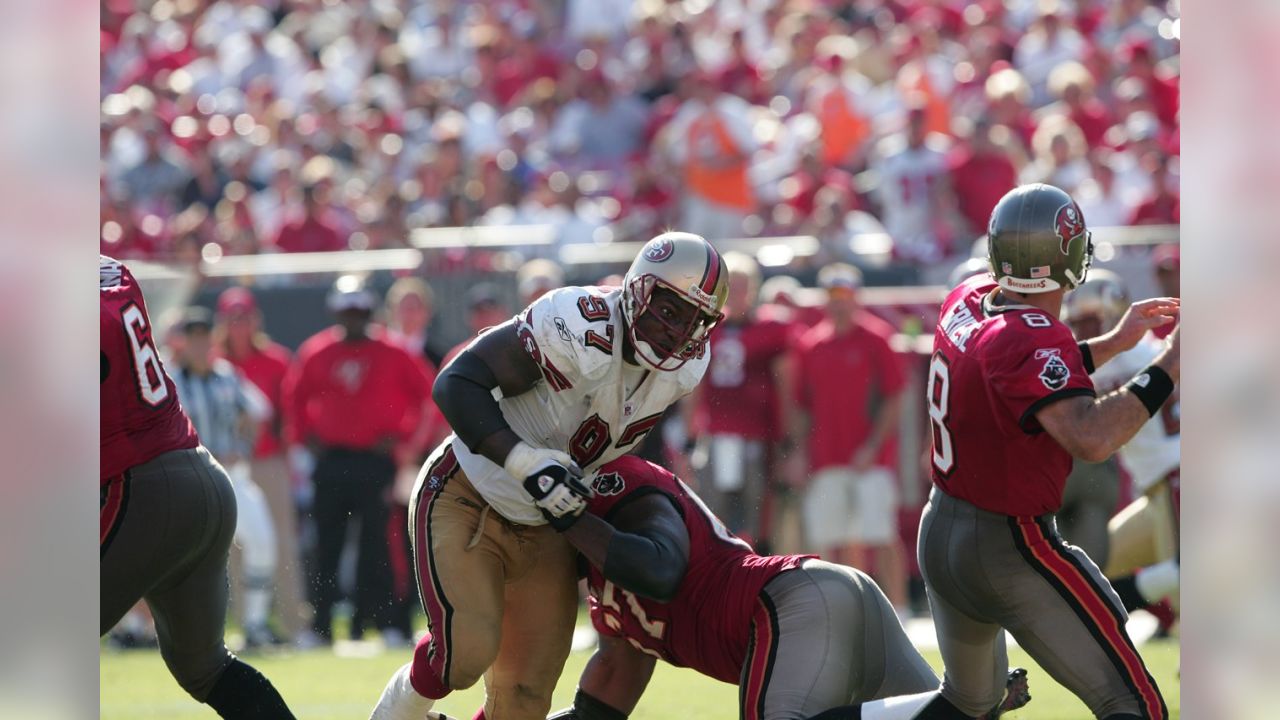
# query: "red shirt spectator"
x,y
844,372
800,189
1163,208
265,363
739,395
981,173
739,75
313,232
1163,205
1162,90
362,394
518,71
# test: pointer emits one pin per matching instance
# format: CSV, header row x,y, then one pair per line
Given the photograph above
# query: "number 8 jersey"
x,y
993,368
140,417
591,403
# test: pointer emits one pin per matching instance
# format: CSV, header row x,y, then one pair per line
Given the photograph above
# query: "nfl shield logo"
x,y
1006,268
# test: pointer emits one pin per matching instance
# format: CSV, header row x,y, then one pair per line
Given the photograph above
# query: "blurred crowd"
x,y
889,127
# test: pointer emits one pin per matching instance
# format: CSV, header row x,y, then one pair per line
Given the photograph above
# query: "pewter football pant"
x,y
166,527
987,572
824,636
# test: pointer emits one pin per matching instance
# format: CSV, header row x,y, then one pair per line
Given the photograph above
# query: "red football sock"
x,y
1165,613
479,714
421,675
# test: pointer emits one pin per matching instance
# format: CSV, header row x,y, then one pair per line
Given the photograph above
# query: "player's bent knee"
x,y
198,675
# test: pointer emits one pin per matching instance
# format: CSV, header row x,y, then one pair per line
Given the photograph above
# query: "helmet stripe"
x,y
711,275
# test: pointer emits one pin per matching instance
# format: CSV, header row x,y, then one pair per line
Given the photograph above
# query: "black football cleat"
x,y
1017,692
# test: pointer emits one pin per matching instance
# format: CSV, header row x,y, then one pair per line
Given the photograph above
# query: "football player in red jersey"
x,y
153,467
669,581
1011,403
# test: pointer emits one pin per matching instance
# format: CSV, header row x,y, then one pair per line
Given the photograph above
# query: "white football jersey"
x,y
581,406
1157,447
909,179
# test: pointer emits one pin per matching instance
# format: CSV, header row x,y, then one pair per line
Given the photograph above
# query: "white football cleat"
x,y
400,701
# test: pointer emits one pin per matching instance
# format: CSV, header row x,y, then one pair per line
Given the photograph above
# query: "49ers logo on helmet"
x,y
1069,224
659,250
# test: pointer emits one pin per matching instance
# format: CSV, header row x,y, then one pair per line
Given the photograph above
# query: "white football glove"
x,y
553,480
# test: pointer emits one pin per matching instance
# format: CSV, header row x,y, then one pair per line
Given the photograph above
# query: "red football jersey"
x,y
741,376
266,367
707,626
841,380
354,394
993,368
140,416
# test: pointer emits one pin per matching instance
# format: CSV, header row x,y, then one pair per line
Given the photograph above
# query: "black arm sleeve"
x,y
464,393
652,566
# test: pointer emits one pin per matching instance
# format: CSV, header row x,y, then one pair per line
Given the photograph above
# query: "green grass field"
x,y
321,686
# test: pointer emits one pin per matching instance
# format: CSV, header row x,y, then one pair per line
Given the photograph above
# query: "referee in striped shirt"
x,y
226,410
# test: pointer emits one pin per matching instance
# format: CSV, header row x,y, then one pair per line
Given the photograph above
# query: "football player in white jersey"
x,y
572,382
1142,562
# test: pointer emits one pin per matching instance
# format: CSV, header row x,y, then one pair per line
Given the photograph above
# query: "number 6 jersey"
x,y
140,417
993,368
590,403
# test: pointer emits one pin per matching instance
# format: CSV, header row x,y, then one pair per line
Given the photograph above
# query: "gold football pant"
x,y
501,598
1145,531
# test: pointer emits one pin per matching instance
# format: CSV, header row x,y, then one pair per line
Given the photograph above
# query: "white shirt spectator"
x,y
1036,56
600,135
1068,177
909,179
590,18
1101,208
289,68
1132,182
433,55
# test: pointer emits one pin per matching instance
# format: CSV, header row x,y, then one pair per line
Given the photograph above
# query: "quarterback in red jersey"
x,y
668,581
153,467
1011,404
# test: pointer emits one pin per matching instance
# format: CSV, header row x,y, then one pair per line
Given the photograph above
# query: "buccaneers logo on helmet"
x,y
1069,224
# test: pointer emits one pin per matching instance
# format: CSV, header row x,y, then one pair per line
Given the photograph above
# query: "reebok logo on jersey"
x,y
608,484
563,330
1055,372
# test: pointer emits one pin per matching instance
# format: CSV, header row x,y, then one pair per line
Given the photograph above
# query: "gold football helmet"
x,y
1096,305
687,265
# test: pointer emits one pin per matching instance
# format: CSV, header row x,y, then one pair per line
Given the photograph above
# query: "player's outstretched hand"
x,y
1143,316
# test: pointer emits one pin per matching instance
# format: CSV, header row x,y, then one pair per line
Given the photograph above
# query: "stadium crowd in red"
x,y
301,125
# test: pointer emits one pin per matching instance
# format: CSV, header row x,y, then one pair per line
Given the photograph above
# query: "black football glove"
x,y
586,707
